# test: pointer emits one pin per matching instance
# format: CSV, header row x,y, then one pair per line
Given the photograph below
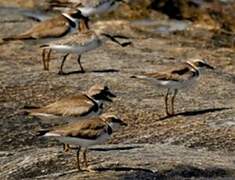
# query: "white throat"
x,y
69,17
72,19
194,68
103,39
114,126
192,65
99,102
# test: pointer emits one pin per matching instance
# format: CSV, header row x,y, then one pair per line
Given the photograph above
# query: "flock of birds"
x,y
69,33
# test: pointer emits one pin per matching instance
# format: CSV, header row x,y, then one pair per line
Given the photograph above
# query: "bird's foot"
x,y
61,73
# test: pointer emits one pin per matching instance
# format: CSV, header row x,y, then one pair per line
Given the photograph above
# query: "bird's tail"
x,y
30,107
19,37
138,77
27,110
44,46
42,132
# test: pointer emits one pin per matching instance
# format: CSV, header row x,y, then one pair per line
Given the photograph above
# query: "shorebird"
x,y
78,43
176,78
89,7
83,105
53,28
85,133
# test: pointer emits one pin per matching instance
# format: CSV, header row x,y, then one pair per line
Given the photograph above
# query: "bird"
x,y
88,7
56,27
82,105
175,78
79,43
53,28
85,133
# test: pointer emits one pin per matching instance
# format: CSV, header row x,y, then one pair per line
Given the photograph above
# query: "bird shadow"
x,y
118,148
178,172
105,71
196,112
93,71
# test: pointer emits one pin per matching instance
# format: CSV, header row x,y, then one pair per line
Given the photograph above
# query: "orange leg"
x,y
44,58
48,59
166,102
84,157
61,72
78,161
79,62
173,101
66,147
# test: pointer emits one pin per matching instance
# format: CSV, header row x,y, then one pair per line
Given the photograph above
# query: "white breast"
x,y
175,84
77,49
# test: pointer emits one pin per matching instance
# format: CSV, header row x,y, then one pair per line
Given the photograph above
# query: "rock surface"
x,y
198,142
133,161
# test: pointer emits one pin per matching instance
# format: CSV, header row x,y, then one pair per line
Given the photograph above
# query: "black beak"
x,y
210,67
121,37
110,94
123,123
125,44
107,96
112,38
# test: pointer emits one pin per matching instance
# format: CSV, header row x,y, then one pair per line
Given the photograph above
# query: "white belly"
x,y
75,49
83,142
175,84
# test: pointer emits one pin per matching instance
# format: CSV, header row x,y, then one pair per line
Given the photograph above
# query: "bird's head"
x,y
113,121
200,64
101,93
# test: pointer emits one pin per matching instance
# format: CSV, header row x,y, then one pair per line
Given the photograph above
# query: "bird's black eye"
x,y
77,14
115,120
200,64
106,88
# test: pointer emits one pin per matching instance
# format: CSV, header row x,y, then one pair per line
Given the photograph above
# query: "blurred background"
x,y
163,32
217,16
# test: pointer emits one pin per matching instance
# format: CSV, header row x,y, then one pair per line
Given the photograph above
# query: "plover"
x,y
83,105
78,43
89,7
53,28
85,133
176,78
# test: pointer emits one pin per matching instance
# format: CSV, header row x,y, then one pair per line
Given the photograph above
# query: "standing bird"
x,y
78,43
85,133
88,7
84,105
176,78
54,28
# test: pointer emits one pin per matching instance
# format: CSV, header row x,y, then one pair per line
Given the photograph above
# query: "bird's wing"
x,y
79,3
177,74
73,106
76,39
55,27
86,128
183,73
